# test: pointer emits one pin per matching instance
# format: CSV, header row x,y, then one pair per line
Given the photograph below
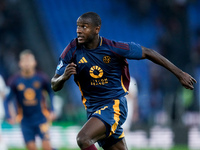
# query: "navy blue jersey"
x,y
102,73
29,95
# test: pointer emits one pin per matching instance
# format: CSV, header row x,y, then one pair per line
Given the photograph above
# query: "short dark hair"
x,y
93,16
26,51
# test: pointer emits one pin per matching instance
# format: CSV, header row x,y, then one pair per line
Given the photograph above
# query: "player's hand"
x,y
187,80
52,116
11,121
69,70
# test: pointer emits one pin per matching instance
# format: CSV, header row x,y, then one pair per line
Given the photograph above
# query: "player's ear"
x,y
98,29
35,63
19,63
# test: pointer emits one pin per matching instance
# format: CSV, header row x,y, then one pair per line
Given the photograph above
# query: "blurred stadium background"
x,y
169,116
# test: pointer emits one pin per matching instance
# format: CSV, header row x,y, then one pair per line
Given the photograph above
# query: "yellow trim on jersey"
x,y
122,135
101,40
116,116
84,99
44,128
125,90
99,111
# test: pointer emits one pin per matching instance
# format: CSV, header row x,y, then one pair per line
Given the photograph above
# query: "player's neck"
x,y
27,73
94,44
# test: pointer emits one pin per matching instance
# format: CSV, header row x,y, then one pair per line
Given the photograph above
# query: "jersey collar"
x,y
101,40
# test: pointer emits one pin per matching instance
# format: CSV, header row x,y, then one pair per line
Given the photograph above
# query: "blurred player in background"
x,y
132,102
3,91
31,88
100,70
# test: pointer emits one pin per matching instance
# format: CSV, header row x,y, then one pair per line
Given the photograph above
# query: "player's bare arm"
x,y
185,79
58,81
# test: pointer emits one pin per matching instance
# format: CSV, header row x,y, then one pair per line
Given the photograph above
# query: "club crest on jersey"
x,y
21,87
106,59
60,65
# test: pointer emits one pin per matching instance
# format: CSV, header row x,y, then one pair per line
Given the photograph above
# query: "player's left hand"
x,y
52,116
187,80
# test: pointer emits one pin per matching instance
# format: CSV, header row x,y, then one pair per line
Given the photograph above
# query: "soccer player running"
x,y
101,71
28,87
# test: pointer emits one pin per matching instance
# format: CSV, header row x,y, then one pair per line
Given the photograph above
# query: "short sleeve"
x,y
129,50
135,51
66,57
61,66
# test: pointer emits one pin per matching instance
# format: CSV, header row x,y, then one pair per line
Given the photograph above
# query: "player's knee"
x,y
83,140
47,148
46,145
31,145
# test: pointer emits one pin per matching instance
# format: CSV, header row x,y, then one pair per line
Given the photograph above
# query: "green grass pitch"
x,y
174,148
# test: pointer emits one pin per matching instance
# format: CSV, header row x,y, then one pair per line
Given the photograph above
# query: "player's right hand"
x,y
69,70
11,121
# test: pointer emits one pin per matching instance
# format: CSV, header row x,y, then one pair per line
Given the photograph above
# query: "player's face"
x,y
27,62
86,30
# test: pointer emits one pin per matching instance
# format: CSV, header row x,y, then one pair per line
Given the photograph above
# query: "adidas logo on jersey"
x,y
83,60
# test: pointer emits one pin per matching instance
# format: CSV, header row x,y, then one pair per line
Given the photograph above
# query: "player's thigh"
x,y
121,145
31,145
94,129
46,145
28,133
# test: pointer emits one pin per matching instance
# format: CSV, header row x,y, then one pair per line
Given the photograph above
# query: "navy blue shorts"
x,y
113,115
30,131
